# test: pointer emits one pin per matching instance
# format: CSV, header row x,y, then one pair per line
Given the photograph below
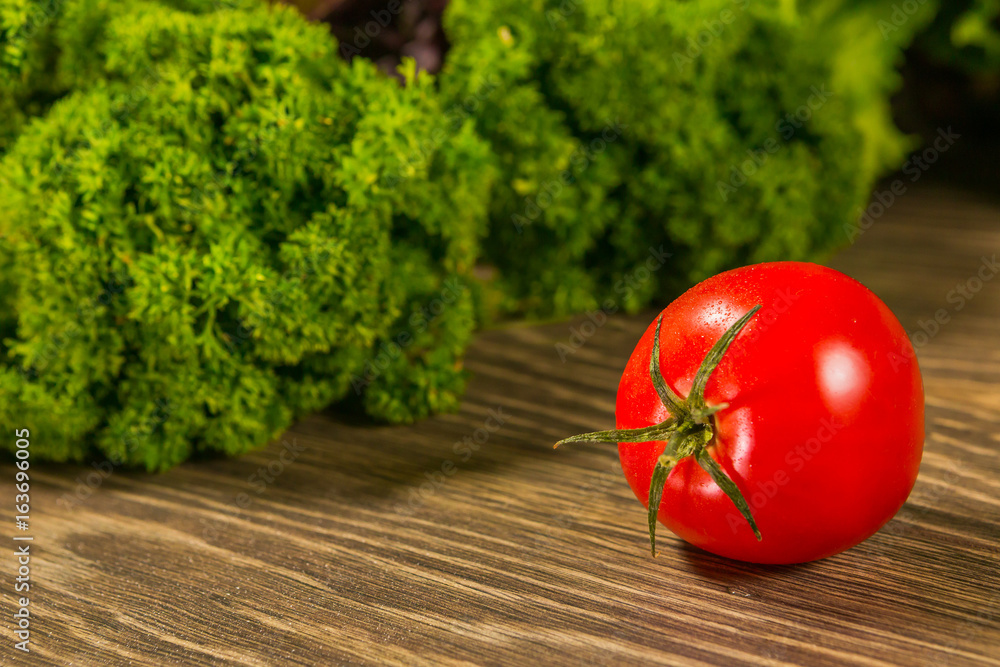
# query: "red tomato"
x,y
822,424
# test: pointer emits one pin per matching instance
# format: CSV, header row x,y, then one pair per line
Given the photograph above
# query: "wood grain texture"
x,y
521,555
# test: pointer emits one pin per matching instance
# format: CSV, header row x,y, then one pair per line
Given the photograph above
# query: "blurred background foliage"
x,y
218,215
950,65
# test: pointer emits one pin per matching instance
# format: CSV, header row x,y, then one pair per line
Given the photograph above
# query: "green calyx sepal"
x,y
688,430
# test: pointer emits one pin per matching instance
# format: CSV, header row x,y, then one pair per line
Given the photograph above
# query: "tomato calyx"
x,y
687,432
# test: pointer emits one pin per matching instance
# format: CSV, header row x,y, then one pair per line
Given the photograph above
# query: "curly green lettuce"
x,y
220,227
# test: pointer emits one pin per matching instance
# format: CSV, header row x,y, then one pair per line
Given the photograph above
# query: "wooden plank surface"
x,y
405,545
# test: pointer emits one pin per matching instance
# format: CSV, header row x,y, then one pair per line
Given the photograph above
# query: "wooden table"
x,y
522,555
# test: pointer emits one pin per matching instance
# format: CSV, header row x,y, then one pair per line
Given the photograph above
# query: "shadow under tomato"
x,y
737,576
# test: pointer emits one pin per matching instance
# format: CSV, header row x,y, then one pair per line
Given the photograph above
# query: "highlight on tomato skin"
x,y
778,417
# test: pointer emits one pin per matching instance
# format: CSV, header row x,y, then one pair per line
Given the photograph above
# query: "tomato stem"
x,y
697,395
688,430
646,434
674,403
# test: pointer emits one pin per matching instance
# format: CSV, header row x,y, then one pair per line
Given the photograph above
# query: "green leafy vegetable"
x,y
209,235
